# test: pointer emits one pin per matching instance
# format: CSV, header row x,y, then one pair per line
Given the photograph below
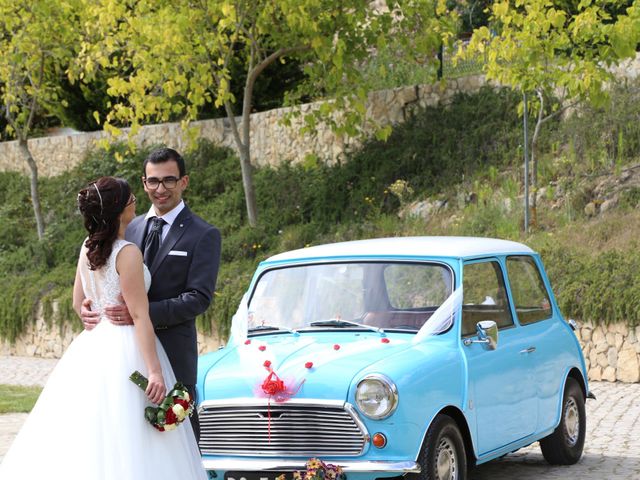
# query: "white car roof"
x,y
456,247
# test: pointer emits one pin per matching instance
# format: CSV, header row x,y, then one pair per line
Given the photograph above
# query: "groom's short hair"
x,y
162,155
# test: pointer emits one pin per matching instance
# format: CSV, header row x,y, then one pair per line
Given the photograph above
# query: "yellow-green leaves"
x,y
546,45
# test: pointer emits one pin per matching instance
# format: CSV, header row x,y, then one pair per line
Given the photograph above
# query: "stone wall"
x,y
611,352
272,142
50,340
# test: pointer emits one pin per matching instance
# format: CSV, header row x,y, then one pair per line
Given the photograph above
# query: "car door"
x,y
501,387
544,332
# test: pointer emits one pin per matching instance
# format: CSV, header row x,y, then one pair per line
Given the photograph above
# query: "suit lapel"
x,y
176,231
138,233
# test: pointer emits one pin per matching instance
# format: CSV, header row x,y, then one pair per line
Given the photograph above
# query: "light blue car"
x,y
402,356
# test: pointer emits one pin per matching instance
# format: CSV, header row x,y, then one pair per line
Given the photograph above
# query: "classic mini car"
x,y
390,357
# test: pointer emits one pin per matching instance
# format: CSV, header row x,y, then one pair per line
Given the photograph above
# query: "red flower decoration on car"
x,y
308,365
262,348
272,385
385,340
267,363
247,342
336,347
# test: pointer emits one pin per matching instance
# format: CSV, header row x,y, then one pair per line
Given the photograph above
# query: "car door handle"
x,y
528,350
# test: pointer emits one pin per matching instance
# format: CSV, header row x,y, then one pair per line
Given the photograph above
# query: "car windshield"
x,y
364,295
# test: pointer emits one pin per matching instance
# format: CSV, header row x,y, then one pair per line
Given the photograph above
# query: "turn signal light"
x,y
379,440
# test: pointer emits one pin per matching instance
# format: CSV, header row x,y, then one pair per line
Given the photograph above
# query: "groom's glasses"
x,y
168,182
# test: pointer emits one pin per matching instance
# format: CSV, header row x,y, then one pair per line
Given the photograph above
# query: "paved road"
x,y
612,448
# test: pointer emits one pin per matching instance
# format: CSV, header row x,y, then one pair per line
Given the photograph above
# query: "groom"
x,y
182,252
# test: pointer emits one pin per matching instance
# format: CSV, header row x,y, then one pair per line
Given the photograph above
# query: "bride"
x,y
89,420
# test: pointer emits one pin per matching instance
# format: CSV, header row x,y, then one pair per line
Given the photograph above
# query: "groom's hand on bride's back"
x,y
89,318
118,314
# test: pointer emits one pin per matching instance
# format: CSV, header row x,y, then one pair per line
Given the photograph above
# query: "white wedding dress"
x,y
88,423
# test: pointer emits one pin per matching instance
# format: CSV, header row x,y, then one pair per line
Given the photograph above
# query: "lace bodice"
x,y
102,286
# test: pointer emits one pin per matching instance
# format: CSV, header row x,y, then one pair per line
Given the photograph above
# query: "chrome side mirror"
x,y
487,334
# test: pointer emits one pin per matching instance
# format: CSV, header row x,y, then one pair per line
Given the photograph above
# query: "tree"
x,y
175,56
33,60
556,49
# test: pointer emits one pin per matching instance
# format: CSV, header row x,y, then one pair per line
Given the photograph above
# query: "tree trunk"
x,y
247,183
35,196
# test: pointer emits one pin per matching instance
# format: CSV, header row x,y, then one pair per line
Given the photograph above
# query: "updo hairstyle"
x,y
101,203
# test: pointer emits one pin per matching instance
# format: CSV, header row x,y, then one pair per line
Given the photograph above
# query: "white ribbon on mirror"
x,y
240,323
442,318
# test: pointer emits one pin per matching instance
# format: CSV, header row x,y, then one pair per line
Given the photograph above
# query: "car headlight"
x,y
376,396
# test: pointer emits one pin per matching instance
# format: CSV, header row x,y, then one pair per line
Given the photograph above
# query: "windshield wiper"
x,y
267,328
335,322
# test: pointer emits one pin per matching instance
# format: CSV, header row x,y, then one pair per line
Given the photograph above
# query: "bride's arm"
x,y
129,267
78,293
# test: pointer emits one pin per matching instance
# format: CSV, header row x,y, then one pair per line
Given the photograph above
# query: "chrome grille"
x,y
295,429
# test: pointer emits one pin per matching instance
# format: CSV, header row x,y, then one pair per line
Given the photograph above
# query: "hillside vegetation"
x,y
446,171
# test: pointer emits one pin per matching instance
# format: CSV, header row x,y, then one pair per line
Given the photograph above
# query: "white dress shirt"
x,y
168,217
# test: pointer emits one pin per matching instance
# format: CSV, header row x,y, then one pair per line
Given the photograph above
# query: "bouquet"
x,y
172,411
317,470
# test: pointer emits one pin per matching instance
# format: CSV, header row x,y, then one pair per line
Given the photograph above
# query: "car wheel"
x,y
564,446
442,456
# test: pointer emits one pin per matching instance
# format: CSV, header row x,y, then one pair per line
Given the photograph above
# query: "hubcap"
x,y
446,461
571,421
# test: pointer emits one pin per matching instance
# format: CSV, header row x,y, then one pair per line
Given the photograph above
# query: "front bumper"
x,y
264,465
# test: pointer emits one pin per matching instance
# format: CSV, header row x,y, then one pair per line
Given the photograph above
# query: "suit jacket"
x,y
183,279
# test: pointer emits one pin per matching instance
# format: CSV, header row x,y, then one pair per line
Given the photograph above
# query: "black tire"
x,y
564,446
442,456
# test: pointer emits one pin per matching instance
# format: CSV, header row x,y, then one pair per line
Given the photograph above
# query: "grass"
x,y
18,399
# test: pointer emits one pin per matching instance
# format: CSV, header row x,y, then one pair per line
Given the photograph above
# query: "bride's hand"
x,y
156,389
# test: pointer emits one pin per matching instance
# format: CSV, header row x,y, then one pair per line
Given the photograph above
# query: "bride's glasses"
x,y
132,199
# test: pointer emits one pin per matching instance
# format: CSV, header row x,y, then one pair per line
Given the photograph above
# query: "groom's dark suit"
x,y
183,279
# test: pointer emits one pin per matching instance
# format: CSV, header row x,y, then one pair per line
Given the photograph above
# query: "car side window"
x,y
484,296
530,295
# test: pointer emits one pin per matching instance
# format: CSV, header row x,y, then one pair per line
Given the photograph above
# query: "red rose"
x,y
336,347
247,342
170,417
308,365
183,403
385,340
158,427
262,348
267,363
273,385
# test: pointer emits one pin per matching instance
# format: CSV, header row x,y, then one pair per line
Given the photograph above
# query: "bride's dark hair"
x,y
101,203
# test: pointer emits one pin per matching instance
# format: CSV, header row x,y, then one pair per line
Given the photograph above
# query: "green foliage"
x,y
603,288
607,135
17,399
543,45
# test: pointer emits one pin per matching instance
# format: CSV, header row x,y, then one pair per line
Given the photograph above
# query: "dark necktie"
x,y
153,240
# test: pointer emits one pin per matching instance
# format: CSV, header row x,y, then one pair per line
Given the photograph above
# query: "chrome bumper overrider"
x,y
263,465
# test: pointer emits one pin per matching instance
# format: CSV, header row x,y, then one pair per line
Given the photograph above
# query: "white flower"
x,y
170,426
179,411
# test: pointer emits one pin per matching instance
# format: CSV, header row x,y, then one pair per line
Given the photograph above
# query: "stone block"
x,y
595,374
602,360
585,333
611,338
628,366
612,357
619,339
609,374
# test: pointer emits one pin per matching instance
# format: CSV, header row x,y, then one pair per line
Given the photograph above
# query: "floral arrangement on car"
x,y
172,411
317,470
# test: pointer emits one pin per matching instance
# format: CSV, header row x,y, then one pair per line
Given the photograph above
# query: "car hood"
x,y
311,365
